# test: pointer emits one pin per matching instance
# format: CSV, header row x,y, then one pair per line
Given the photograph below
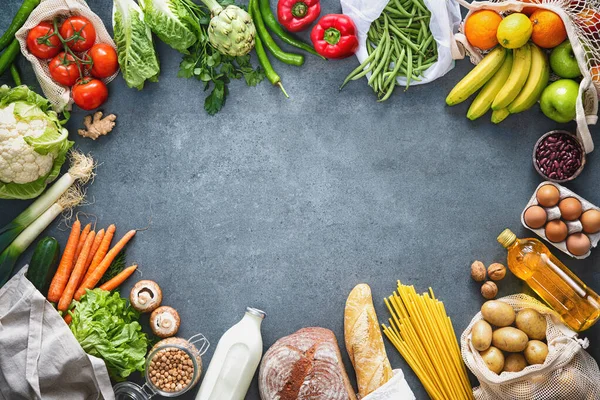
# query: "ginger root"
x,y
97,126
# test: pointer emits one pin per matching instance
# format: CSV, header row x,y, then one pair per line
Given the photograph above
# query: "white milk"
x,y
235,360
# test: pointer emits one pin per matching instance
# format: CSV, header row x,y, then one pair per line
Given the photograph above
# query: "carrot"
x,y
77,274
120,278
101,252
68,319
93,279
59,281
82,237
93,250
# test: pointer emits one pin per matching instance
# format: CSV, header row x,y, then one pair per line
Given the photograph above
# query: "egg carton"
x,y
554,213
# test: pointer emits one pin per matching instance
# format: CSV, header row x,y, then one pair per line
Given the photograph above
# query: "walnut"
x,y
496,271
478,271
489,290
98,126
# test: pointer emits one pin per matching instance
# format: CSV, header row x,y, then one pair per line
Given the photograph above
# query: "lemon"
x,y
514,31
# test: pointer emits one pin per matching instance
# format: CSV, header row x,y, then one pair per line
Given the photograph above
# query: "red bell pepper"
x,y
335,36
297,15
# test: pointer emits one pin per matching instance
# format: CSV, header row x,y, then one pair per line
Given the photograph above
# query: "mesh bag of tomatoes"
x,y
569,28
72,54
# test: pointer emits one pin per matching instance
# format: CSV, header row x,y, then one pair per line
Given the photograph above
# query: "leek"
x,y
82,168
71,198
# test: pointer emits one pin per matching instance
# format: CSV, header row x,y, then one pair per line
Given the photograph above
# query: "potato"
x,y
493,358
532,323
481,335
536,352
509,339
514,362
498,313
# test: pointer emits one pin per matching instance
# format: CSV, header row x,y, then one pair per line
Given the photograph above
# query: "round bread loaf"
x,y
305,365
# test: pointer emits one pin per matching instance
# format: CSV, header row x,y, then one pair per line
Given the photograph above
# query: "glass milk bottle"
x,y
235,361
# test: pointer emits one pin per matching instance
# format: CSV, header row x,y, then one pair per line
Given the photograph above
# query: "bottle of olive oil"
x,y
530,260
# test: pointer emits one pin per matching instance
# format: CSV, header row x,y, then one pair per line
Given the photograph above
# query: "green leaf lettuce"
x,y
106,326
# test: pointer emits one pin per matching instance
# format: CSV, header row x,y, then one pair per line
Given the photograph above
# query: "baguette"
x,y
364,342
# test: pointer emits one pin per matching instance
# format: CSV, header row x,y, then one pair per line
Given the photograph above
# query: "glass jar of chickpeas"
x,y
173,367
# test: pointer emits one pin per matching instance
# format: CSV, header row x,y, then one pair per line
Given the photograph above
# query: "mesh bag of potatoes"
x,y
582,23
534,354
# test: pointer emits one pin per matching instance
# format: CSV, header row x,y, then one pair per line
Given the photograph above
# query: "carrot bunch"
x,y
84,262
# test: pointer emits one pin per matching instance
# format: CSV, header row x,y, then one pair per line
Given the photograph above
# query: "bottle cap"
x,y
507,238
255,311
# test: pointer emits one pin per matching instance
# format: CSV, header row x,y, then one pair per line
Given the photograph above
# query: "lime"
x,y
514,31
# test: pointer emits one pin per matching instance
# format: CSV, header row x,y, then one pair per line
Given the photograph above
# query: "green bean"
x,y
386,52
356,71
408,68
408,42
397,67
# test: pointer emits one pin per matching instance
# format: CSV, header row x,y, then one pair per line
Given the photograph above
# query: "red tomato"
x,y
105,60
89,93
79,33
64,70
41,42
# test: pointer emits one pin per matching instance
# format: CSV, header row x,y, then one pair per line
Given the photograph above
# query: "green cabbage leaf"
x,y
135,49
106,326
171,21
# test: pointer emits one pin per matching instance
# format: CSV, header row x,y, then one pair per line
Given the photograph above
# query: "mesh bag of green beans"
x,y
403,42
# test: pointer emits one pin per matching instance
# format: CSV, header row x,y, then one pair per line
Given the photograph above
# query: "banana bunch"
x,y
511,81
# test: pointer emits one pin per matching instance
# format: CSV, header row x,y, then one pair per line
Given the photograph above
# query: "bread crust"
x,y
364,341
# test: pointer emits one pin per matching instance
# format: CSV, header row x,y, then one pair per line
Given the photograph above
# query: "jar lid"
x,y
131,391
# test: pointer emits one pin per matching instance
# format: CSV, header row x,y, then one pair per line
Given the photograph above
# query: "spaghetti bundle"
x,y
423,334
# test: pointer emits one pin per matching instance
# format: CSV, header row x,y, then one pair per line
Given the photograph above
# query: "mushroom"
x,y
145,296
164,321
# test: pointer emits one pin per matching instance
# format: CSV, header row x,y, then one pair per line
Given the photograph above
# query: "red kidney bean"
x,y
559,156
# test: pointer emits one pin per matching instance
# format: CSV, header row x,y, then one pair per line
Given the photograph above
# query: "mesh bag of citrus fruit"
x,y
568,372
59,95
569,28
443,24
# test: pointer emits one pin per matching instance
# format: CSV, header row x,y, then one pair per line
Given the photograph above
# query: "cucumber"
x,y
44,263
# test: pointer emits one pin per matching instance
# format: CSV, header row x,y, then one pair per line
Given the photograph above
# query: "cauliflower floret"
x,y
19,162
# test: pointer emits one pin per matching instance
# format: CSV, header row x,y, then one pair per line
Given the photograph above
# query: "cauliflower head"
x,y
33,143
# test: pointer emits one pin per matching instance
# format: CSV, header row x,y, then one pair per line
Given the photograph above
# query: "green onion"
x,y
81,169
71,198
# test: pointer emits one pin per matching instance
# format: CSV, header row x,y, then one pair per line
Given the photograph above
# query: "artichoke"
x,y
231,30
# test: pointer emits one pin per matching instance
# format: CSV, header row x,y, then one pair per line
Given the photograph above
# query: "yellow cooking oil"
x,y
530,260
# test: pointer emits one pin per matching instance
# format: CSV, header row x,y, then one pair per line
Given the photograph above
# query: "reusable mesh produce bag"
x,y
444,23
569,372
59,96
582,22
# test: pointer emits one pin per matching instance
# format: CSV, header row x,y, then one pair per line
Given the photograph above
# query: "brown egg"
x,y
535,217
578,244
570,208
556,231
548,196
591,221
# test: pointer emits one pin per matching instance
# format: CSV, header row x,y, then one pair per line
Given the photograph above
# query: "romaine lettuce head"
x,y
106,326
171,21
33,143
135,49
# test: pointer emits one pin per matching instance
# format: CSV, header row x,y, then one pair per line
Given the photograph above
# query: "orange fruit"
x,y
595,72
481,27
548,29
529,10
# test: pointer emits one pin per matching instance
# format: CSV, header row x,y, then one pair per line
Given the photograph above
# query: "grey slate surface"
x,y
285,205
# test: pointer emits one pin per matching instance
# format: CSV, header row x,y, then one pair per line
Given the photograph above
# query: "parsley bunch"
x,y
206,64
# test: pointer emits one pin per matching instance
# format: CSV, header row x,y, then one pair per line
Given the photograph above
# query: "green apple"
x,y
559,100
563,61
